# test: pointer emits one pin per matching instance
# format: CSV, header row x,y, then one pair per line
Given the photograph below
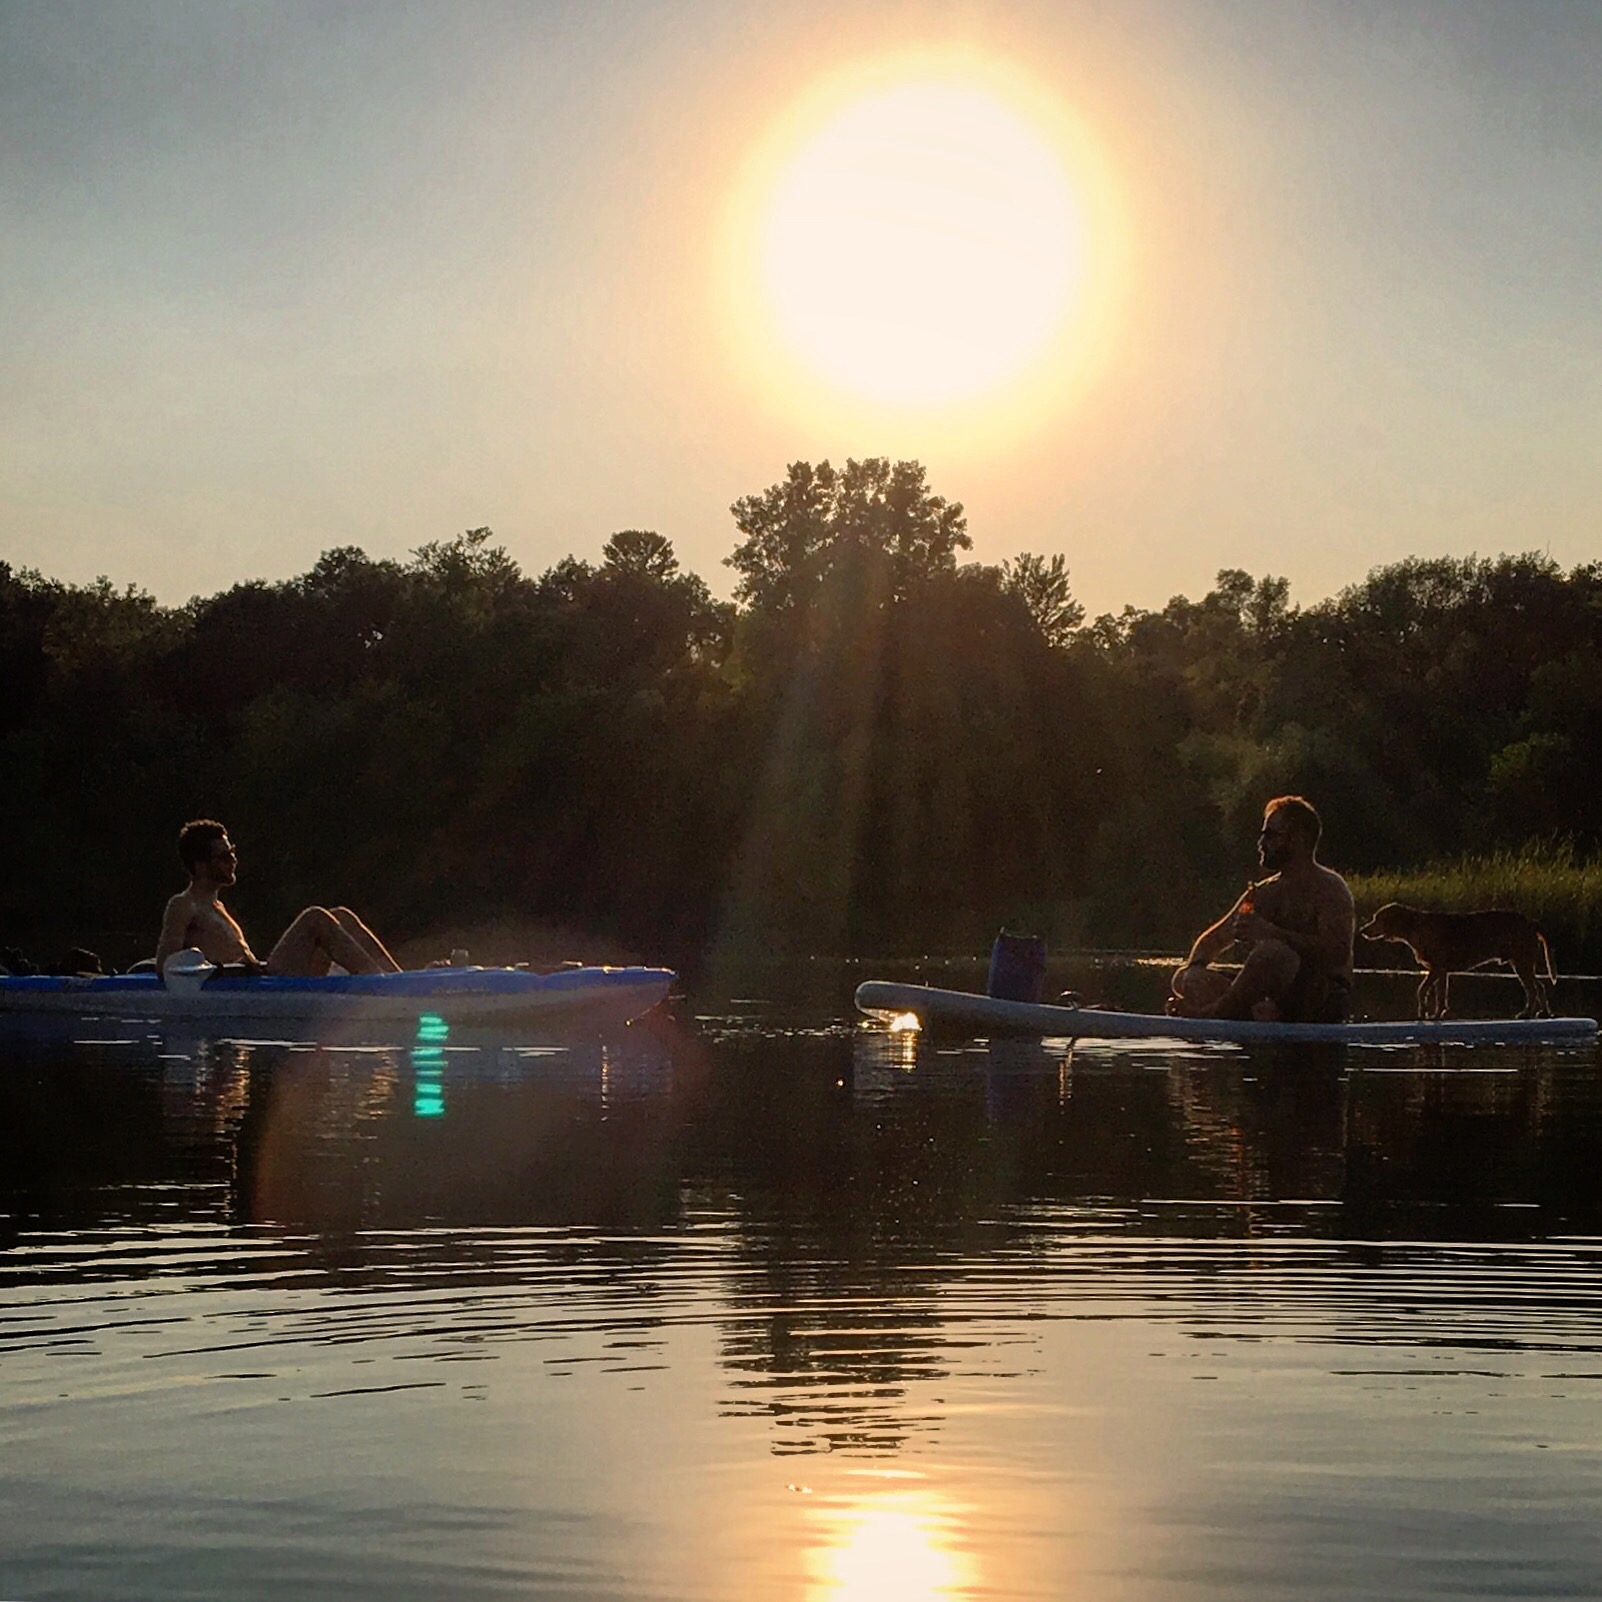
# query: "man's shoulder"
x,y
1311,879
1335,880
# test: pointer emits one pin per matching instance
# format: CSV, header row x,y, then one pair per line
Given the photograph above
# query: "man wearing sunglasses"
x,y
1296,928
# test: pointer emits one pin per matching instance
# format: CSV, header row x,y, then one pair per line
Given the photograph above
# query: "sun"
x,y
924,245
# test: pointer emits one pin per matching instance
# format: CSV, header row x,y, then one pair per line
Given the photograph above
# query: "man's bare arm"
x,y
1337,924
1215,938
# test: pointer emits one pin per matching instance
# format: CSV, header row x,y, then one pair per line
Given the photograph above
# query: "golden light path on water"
x,y
900,1544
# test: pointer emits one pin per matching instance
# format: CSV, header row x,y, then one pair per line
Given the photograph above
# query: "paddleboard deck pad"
x,y
957,1010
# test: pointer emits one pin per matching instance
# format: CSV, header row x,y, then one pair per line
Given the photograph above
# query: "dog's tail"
x,y
1546,951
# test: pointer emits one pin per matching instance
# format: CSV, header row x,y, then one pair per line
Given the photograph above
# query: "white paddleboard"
x,y
987,1015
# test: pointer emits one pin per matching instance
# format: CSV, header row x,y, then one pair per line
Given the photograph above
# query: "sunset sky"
x,y
1164,285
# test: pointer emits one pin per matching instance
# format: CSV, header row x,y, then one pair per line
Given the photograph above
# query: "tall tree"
x,y
1041,583
875,520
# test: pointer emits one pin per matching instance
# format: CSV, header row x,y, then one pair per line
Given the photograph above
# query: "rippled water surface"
x,y
758,1302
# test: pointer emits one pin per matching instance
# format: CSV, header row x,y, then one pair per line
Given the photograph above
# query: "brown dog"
x,y
1453,942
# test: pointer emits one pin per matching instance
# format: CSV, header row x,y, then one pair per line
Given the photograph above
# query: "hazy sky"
x,y
276,277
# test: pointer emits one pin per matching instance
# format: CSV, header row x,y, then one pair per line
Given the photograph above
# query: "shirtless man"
x,y
1297,927
311,944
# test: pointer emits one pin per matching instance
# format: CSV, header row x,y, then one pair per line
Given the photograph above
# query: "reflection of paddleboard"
x,y
578,996
956,1010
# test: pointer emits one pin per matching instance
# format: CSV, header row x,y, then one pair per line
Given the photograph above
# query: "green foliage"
x,y
642,552
909,790
872,525
1042,585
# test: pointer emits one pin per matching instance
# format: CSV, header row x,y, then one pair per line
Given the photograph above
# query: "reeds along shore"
x,y
1553,885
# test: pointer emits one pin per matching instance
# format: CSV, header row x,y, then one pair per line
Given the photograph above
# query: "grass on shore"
x,y
1550,883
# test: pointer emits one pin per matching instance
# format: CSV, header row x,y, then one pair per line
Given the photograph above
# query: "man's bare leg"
x,y
315,941
1255,992
1194,991
1265,977
367,940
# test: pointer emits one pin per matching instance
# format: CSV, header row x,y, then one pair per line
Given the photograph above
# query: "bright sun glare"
x,y
899,1547
923,246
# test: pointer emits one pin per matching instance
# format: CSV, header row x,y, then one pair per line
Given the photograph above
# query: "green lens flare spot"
x,y
428,1065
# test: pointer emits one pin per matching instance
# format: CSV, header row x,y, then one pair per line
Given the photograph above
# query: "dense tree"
x,y
1042,585
873,524
27,604
872,747
915,729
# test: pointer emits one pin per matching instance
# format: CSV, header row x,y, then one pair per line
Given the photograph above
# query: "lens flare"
x,y
428,1066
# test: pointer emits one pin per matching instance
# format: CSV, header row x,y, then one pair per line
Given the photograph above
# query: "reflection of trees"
x,y
1271,1128
864,1218
80,1137
341,1142
873,1181
840,1218
327,1139
1502,1154
841,1209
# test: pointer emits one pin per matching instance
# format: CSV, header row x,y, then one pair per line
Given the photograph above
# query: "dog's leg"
x,y
1432,993
1535,1002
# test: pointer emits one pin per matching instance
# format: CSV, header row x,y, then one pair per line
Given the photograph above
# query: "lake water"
x,y
761,1303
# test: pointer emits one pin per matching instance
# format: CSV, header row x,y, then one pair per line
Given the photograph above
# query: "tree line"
x,y
876,747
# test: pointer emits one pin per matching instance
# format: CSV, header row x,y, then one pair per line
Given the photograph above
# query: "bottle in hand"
x,y
1245,906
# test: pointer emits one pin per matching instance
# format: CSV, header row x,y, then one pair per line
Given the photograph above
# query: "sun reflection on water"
x,y
900,1545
